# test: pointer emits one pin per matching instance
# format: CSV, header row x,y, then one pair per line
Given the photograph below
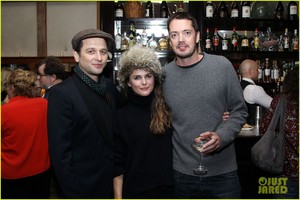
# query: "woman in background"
x,y
25,159
291,130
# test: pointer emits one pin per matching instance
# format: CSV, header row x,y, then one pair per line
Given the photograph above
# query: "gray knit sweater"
x,y
198,96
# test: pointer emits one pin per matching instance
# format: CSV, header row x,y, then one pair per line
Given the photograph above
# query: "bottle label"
x,y
234,13
216,42
209,11
208,44
276,73
286,44
293,10
234,42
246,12
256,42
224,44
260,74
119,13
118,42
267,72
245,43
147,14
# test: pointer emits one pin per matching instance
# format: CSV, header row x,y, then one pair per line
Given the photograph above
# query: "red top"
x,y
24,138
291,131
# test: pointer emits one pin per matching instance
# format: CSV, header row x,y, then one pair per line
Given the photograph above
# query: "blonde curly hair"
x,y
23,83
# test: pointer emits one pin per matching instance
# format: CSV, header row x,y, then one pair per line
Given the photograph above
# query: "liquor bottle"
x,y
280,44
148,10
119,10
223,10
207,41
163,43
234,13
275,72
295,41
152,43
118,39
144,37
286,40
234,40
164,11
216,10
278,13
209,10
132,35
180,7
245,42
124,42
216,40
224,42
267,71
246,9
256,40
292,9
260,72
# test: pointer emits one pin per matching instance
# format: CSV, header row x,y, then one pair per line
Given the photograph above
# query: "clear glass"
x,y
201,169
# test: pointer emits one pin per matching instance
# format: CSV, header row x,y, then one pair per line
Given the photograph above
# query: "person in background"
x,y
25,161
80,117
290,89
254,95
199,88
142,131
5,72
50,71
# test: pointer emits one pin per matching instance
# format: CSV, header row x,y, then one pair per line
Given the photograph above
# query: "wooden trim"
x,y
41,8
98,15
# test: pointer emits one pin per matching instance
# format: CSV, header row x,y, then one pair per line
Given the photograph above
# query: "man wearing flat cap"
x,y
80,117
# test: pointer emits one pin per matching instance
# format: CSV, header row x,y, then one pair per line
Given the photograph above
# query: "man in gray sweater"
x,y
199,88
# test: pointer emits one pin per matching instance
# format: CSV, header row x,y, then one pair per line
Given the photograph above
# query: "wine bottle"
x,y
216,40
292,8
148,10
118,39
224,42
256,40
209,10
278,13
132,35
234,40
286,40
245,42
234,13
207,40
246,9
119,10
164,11
267,72
223,10
295,41
124,42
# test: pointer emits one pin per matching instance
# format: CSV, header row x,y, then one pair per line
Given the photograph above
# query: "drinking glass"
x,y
198,145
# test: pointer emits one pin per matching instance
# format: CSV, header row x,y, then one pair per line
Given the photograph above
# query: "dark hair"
x,y
291,83
53,65
183,15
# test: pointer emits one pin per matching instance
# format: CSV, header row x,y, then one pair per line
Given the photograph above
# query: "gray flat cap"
x,y
91,33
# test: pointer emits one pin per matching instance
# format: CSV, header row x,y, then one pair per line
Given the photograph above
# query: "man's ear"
x,y
76,56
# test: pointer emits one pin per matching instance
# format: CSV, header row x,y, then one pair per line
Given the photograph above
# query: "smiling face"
x,y
92,57
183,38
142,82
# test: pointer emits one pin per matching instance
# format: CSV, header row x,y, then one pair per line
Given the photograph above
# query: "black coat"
x,y
80,140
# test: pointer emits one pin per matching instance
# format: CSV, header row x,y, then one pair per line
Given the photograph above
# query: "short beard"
x,y
187,55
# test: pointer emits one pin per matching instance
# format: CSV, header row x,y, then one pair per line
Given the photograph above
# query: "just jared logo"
x,y
272,185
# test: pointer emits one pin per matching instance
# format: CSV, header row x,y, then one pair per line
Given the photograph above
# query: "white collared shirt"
x,y
256,94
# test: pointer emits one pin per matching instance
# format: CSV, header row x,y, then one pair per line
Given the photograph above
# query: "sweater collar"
x,y
141,100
